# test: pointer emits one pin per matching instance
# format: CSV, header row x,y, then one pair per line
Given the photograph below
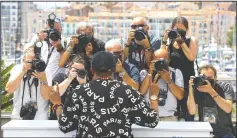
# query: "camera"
x,y
140,34
81,73
28,111
162,97
199,81
52,33
117,57
37,64
161,65
173,34
84,39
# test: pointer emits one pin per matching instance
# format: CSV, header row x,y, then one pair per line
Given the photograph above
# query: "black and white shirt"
x,y
105,108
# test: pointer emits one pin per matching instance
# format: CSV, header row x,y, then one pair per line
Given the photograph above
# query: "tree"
x,y
5,97
230,33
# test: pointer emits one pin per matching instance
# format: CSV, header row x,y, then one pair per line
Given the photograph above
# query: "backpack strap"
x,y
173,74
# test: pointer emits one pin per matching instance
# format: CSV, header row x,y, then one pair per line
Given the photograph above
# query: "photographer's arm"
x,y
192,108
145,84
176,90
65,56
191,51
14,82
148,56
128,80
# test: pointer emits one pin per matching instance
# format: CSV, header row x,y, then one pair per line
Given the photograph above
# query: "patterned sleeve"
x,y
140,112
68,120
228,91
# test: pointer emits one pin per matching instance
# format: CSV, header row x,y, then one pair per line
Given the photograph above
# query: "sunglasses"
x,y
139,25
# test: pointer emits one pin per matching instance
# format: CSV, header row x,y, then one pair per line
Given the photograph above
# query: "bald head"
x,y
161,53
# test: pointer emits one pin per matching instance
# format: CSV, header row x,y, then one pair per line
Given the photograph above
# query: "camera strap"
x,y
35,81
49,55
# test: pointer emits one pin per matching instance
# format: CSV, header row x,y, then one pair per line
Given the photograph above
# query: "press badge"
x,y
210,114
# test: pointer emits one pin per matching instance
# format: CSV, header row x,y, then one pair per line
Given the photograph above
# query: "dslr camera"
x,y
28,111
117,57
173,34
84,39
37,64
199,81
81,73
140,34
162,97
52,33
161,64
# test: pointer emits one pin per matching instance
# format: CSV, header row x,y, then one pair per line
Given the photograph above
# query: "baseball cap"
x,y
103,62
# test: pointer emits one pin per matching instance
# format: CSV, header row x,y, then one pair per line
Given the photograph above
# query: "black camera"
x,y
37,64
161,64
81,73
199,81
28,111
173,34
84,39
52,33
162,97
140,34
117,57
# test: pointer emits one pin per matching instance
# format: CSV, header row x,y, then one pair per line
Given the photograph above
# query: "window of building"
x,y
13,19
13,13
13,25
8,7
13,7
34,21
3,7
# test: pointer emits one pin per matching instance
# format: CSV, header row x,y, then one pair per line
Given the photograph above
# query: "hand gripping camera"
x,y
52,33
37,64
199,81
173,34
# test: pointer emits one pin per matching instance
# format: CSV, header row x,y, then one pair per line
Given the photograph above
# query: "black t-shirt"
x,y
179,60
60,77
225,90
105,108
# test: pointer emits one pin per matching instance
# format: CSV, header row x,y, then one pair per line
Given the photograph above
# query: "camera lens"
x,y
39,65
81,73
172,34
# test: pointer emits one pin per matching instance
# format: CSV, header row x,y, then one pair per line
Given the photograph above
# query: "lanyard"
x,y
49,55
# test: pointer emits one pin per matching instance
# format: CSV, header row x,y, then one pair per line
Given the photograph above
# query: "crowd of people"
x,y
102,88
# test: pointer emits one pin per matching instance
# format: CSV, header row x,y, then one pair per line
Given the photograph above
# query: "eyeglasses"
x,y
139,25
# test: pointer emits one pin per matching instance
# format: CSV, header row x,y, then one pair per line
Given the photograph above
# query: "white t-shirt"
x,y
52,67
42,104
171,102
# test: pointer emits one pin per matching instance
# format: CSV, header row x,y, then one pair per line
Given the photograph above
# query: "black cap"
x,y
103,62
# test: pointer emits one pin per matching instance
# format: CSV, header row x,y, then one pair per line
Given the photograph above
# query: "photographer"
x,y
28,103
170,82
75,75
182,53
104,107
53,46
125,71
214,100
140,44
78,43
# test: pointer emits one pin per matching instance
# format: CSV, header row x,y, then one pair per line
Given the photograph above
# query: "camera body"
x,y
38,65
140,34
161,64
162,97
199,80
81,73
117,57
28,111
84,39
173,34
52,33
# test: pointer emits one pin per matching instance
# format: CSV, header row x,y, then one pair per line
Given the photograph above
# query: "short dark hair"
x,y
181,20
208,66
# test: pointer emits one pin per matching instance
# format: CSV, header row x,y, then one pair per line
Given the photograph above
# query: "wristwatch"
x,y
153,97
121,74
43,82
170,81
